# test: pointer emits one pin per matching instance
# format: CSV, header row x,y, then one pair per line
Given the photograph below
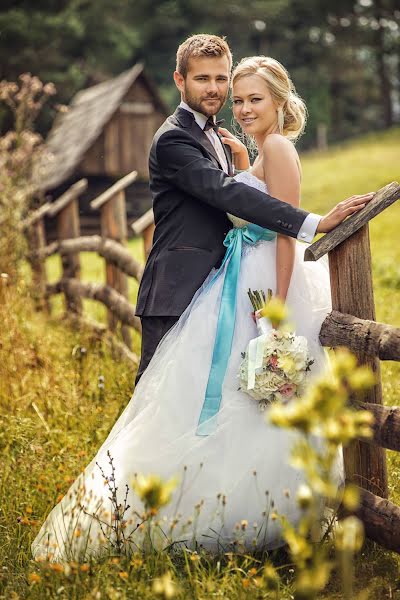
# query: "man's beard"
x,y
196,103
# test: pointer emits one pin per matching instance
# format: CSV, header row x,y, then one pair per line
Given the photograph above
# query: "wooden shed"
x,y
105,134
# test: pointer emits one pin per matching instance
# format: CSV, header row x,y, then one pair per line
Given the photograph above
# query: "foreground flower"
x,y
349,535
165,586
153,491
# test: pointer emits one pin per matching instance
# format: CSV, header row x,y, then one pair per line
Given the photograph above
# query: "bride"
x,y
232,467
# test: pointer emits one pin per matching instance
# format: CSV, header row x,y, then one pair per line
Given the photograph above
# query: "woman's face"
x,y
253,106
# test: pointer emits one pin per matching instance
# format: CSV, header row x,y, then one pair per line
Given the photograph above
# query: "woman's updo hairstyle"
x,y
281,88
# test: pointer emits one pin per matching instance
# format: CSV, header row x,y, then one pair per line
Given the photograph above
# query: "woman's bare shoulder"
x,y
277,148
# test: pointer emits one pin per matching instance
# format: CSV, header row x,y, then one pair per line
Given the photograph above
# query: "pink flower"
x,y
288,390
273,362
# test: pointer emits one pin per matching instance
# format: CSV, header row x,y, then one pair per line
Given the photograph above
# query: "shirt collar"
x,y
200,119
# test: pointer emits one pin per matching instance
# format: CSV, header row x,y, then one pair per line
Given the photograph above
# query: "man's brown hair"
x,y
198,45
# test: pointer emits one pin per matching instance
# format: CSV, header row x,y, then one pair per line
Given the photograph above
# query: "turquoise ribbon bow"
x,y
226,320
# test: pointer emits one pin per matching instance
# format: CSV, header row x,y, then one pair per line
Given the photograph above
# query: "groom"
x,y
193,189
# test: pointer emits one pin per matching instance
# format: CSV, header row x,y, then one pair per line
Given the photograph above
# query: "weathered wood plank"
x,y
112,251
352,293
143,222
112,158
36,236
382,199
362,335
386,425
114,225
381,519
68,228
73,192
36,215
120,185
114,301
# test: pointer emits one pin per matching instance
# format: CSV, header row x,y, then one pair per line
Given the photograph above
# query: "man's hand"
x,y
343,210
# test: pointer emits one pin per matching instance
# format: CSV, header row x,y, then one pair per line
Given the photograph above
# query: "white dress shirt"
x,y
201,120
309,227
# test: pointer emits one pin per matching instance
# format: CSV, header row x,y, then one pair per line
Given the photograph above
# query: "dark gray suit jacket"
x,y
191,196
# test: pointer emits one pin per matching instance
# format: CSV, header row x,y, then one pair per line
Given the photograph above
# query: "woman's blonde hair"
x,y
281,88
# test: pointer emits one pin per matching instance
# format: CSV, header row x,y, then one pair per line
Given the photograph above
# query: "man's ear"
x,y
179,81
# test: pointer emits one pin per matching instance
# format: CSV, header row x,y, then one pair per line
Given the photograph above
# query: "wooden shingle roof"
x,y
74,132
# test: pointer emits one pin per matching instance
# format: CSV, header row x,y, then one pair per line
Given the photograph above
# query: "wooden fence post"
x,y
352,293
36,236
66,209
114,226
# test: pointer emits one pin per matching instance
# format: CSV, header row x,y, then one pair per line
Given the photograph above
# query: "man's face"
x,y
206,85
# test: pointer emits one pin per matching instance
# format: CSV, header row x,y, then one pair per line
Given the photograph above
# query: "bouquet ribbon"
x,y
251,234
256,351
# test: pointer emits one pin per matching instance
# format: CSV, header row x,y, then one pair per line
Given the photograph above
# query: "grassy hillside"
x,y
54,411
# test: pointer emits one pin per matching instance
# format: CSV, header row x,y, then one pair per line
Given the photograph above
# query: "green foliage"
x,y
341,55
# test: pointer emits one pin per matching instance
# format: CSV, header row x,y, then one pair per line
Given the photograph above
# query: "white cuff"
x,y
309,228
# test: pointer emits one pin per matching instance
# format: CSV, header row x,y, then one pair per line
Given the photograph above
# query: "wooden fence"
x,y
119,263
351,322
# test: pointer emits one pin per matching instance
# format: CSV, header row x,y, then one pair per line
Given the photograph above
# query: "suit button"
x,y
279,222
290,226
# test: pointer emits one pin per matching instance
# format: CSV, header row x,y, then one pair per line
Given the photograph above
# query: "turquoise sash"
x,y
226,320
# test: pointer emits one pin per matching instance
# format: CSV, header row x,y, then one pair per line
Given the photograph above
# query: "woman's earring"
x,y
281,120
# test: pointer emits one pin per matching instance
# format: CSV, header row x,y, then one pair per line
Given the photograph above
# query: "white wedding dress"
x,y
231,480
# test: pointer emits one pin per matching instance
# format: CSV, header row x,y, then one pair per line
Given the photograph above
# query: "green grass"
x,y
53,415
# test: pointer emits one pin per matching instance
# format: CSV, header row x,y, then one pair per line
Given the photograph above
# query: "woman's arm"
x,y
282,176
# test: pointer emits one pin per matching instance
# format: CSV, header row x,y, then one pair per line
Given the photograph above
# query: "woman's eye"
x,y
236,101
255,99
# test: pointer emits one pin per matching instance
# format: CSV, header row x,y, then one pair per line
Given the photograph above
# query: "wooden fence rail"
x,y
110,245
351,322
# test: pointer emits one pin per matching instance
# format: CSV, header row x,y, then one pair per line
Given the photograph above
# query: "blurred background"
x,y
342,55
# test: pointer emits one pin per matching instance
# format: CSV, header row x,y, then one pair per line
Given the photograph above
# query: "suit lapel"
x,y
186,120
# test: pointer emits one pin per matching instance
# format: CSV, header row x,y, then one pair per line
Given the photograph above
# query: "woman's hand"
x,y
239,150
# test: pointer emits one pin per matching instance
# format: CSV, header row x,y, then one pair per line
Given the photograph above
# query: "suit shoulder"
x,y
170,133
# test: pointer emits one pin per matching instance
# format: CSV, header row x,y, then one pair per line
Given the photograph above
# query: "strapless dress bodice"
x,y
253,181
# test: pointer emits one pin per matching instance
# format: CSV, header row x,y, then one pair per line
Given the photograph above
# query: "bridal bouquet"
x,y
276,364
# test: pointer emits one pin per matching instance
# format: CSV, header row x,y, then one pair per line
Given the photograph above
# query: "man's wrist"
x,y
309,228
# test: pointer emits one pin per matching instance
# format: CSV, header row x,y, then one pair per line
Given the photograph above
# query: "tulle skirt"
x,y
230,482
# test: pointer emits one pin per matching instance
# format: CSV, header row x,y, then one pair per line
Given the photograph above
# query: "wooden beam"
x,y
119,186
114,301
386,425
381,519
352,293
143,222
36,215
361,335
111,250
73,192
382,199
68,227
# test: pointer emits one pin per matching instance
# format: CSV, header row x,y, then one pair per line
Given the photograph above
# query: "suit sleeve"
x,y
184,165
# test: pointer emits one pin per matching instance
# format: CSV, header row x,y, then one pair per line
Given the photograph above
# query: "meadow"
x,y
61,390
